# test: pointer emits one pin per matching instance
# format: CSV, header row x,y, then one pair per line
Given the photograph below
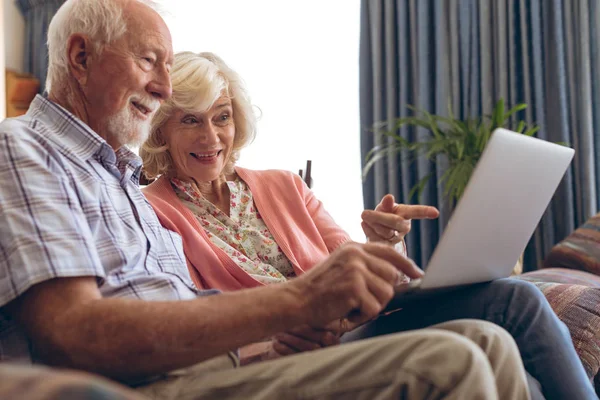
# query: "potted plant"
x,y
459,141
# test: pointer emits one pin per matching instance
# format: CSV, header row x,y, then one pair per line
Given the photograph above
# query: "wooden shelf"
x,y
20,91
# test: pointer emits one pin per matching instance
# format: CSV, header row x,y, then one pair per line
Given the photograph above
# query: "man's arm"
x,y
71,325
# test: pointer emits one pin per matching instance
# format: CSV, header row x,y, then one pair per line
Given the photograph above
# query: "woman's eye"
x,y
224,117
149,60
189,120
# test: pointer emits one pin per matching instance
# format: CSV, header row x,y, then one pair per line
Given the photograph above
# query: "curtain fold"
x,y
467,54
37,14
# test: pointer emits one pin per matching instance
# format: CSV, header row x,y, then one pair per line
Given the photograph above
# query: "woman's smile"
x,y
209,157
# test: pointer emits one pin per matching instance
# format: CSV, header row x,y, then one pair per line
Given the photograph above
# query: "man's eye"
x,y
149,60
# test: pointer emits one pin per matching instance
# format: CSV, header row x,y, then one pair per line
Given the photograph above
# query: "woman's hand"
x,y
390,222
307,338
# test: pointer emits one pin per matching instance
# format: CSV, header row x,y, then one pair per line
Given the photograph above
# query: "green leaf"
x,y
414,121
371,152
498,114
379,126
374,157
435,129
419,187
450,113
460,141
460,149
465,174
435,147
399,139
515,109
531,131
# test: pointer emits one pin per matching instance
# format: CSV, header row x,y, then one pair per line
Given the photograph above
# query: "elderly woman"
x,y
251,227
244,228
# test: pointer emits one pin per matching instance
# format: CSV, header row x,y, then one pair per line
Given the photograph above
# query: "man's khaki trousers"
x,y
464,359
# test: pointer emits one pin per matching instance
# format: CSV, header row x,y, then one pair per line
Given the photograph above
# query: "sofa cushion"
x,y
39,382
580,250
575,297
562,275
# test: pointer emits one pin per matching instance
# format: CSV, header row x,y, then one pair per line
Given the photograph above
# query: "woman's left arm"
x,y
390,222
333,235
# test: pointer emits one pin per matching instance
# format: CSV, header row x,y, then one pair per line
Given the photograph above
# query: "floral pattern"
x,y
242,234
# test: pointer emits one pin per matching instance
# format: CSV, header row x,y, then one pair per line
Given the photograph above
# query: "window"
x,y
300,64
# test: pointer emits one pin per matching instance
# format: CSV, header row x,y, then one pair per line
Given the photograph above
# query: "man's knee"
x,y
445,358
479,331
494,340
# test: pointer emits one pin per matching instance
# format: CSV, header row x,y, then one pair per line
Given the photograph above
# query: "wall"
x,y
12,42
299,60
14,36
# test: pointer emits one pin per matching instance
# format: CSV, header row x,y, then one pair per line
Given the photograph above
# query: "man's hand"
x,y
390,222
356,281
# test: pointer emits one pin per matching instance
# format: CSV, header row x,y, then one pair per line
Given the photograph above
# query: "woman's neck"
x,y
215,191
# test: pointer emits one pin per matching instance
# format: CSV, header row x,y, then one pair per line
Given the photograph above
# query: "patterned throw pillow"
x,y
580,250
575,298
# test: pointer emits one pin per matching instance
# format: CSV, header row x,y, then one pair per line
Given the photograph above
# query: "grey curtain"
x,y
38,14
470,53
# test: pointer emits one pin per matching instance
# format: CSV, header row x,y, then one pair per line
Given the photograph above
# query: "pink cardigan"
x,y
297,220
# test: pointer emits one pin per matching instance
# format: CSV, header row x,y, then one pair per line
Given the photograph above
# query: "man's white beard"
x,y
128,129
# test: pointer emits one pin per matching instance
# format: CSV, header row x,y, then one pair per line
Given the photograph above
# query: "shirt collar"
x,y
127,158
76,137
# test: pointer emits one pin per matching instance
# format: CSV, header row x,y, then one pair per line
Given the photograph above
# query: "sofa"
x,y
570,280
45,383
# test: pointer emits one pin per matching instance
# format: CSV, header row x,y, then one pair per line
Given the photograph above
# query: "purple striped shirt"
x,y
70,206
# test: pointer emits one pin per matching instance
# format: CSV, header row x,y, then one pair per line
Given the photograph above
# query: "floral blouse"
x,y
242,235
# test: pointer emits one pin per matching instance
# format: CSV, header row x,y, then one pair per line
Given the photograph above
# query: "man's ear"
x,y
79,56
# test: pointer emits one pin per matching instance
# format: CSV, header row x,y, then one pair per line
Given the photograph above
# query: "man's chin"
x,y
137,135
127,131
137,139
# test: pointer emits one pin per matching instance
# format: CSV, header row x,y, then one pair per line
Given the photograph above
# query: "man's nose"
x,y
160,87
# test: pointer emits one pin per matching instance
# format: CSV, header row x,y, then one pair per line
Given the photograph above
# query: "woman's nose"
x,y
209,134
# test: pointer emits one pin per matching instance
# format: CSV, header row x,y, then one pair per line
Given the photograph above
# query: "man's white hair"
x,y
101,20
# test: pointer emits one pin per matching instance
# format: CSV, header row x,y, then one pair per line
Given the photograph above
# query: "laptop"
x,y
505,198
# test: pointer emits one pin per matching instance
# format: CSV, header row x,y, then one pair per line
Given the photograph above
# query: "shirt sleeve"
x,y
44,232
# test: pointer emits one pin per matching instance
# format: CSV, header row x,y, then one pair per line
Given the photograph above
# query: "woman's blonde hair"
x,y
198,80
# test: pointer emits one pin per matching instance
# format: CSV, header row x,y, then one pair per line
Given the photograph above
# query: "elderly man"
x,y
89,279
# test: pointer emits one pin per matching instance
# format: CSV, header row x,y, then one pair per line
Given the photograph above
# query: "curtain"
x,y
37,14
468,54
